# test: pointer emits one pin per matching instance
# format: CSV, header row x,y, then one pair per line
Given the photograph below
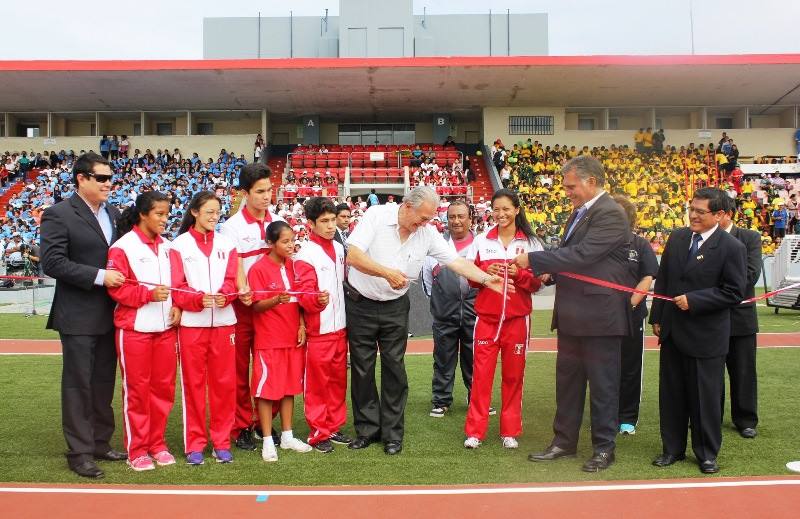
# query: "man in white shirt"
x,y
385,252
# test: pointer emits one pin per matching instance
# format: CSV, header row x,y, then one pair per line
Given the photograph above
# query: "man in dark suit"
x,y
703,269
342,225
591,320
741,359
76,234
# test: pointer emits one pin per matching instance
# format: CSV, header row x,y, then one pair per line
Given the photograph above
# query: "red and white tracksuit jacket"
x,y
206,263
502,326
146,343
319,266
249,235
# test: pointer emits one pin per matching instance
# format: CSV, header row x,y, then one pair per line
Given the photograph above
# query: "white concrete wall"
x,y
756,141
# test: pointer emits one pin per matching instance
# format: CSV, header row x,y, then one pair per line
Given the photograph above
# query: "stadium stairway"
x,y
481,186
12,190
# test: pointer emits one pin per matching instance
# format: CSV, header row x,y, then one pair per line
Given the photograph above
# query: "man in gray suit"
x,y
591,320
76,234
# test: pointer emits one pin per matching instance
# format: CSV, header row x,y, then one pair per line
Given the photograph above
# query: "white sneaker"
x,y
509,442
296,445
269,452
472,443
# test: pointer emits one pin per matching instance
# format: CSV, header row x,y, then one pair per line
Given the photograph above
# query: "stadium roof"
x,y
398,88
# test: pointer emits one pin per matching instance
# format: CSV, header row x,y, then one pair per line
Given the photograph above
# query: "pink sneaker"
x,y
141,463
164,458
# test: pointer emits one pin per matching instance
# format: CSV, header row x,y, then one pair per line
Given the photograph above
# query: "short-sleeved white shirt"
x,y
377,234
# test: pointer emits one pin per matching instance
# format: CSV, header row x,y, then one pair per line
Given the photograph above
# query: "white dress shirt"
x,y
377,235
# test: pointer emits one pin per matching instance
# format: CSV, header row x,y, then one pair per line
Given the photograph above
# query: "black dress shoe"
x,y
112,455
393,447
88,469
709,467
361,442
245,440
341,439
748,432
551,453
600,461
665,460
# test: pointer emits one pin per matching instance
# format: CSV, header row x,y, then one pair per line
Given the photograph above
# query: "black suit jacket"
x,y
597,247
73,250
714,281
744,320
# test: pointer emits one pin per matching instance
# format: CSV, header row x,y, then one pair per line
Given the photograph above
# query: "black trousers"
x,y
630,386
87,389
741,362
689,394
452,340
595,360
374,326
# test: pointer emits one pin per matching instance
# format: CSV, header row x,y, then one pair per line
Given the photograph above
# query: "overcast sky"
x,y
159,29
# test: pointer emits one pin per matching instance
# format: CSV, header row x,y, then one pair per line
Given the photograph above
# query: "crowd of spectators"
x,y
658,179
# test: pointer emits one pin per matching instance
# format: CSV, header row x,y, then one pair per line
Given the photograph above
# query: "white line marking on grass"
x,y
404,491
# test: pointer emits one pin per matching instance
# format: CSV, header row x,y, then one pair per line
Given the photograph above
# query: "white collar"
x,y
588,205
707,234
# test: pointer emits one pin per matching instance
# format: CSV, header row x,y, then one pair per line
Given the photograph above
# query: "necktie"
x,y
696,239
578,215
344,240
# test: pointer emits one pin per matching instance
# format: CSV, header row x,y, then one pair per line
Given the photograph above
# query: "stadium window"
x,y
205,128
613,123
586,124
92,129
724,123
530,125
163,128
659,123
137,128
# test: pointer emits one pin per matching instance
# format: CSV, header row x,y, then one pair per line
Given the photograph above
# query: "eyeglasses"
x,y
99,178
700,212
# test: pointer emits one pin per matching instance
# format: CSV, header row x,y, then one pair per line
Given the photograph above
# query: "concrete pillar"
x,y
188,122
604,116
310,129
49,125
264,124
441,128
97,120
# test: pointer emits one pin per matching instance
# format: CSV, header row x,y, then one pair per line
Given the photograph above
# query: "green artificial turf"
x,y
33,446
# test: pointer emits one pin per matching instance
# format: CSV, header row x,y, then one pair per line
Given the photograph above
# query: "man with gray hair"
x,y
591,320
386,251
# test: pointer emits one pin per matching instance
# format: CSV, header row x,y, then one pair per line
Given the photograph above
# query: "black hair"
x,y
342,207
458,202
275,229
521,221
84,165
730,205
317,206
196,203
251,174
715,196
144,204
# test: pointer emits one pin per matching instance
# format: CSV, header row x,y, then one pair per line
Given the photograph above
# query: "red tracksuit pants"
x,y
325,385
511,344
208,360
245,416
148,362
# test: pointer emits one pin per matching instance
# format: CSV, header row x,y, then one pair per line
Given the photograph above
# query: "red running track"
x,y
712,498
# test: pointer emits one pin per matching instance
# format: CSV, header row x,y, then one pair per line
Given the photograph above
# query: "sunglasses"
x,y
99,178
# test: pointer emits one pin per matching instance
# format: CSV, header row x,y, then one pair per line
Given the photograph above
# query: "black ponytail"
x,y
521,221
275,229
198,200
144,204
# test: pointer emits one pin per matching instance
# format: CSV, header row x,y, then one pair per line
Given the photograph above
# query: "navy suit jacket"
x,y
714,281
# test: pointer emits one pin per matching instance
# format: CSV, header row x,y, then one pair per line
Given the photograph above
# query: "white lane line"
x,y
404,491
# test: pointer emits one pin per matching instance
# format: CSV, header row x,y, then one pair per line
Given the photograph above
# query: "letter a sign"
x,y
310,122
